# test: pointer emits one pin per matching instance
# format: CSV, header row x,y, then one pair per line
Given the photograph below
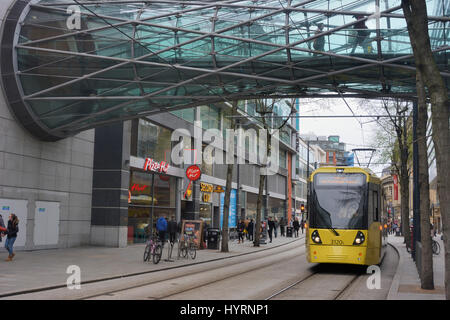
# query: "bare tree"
x,y
265,108
417,22
395,138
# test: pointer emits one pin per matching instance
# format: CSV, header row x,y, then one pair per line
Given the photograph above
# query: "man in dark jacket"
x,y
250,228
172,227
271,225
296,226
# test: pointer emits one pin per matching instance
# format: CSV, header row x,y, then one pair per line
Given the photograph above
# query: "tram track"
x,y
113,286
174,287
316,279
281,274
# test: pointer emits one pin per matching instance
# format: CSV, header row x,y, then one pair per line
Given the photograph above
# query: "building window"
x,y
282,159
210,116
153,141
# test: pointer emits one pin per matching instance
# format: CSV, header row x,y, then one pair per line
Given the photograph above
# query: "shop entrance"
x,y
206,213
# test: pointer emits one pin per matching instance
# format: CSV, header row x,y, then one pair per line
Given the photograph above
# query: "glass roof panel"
x,y
168,49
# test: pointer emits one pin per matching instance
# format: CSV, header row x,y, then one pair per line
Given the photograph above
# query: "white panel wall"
x,y
20,209
46,223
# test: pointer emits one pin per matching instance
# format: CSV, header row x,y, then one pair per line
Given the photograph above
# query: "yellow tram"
x,y
345,222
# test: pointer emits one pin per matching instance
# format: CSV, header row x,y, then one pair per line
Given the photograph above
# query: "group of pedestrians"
x,y
163,226
273,226
245,229
358,36
10,231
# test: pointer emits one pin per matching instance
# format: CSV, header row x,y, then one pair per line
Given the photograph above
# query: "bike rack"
x,y
169,252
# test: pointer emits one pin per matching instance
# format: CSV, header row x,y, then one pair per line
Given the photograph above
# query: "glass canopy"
x,y
76,64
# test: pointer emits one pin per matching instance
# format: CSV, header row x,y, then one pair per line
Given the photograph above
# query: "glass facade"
x,y
210,117
251,206
185,114
148,193
153,141
277,208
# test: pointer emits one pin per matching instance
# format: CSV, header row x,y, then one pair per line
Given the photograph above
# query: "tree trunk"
x,y
404,195
417,22
226,204
426,278
262,180
404,180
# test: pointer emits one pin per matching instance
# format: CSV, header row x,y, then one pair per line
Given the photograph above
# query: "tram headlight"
x,y
315,237
359,239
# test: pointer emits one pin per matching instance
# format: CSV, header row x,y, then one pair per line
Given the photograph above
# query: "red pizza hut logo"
x,y
138,187
153,165
193,173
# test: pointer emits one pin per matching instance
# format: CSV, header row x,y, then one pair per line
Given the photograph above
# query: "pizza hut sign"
x,y
193,173
156,166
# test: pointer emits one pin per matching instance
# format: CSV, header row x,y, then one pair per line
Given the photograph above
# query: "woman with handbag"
x,y
11,231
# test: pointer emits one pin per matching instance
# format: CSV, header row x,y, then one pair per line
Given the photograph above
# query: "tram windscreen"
x,y
338,201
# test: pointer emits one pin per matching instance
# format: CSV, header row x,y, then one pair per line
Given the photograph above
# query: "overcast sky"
x,y
349,129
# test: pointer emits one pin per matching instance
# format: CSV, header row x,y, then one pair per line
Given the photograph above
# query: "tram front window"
x,y
338,201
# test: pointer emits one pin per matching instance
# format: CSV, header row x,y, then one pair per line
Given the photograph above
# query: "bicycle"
x,y
187,246
435,247
154,249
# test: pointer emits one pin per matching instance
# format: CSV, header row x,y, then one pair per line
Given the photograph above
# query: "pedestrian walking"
x,y
11,231
302,225
250,229
275,230
271,225
360,36
161,227
319,42
283,224
296,225
172,227
240,231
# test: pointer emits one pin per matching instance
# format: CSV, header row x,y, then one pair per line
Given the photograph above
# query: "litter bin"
x,y
289,231
213,236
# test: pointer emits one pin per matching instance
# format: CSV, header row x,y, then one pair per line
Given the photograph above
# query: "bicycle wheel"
x,y
436,247
157,253
192,251
184,251
147,253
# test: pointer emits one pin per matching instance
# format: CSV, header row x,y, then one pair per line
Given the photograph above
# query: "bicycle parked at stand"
x,y
154,249
186,245
435,247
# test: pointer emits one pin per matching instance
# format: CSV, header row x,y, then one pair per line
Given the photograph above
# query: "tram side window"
x,y
375,206
370,207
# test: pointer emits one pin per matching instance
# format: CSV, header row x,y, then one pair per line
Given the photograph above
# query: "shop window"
x,y
148,193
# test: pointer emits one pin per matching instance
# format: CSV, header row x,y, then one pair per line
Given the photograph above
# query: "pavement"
x,y
406,282
36,270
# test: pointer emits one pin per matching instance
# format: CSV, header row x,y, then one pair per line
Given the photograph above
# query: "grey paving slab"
x,y
406,283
